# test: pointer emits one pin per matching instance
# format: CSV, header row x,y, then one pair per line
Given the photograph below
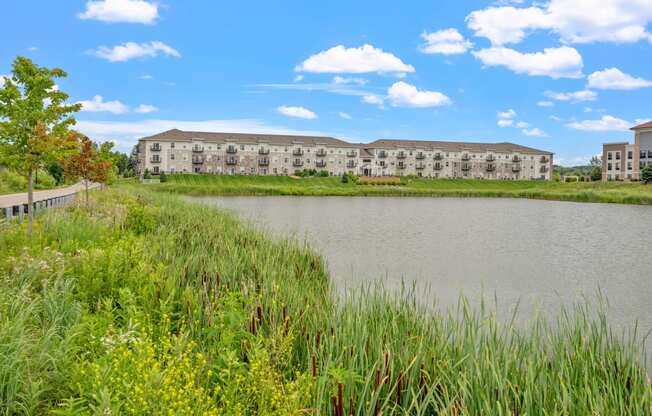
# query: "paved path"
x,y
12,200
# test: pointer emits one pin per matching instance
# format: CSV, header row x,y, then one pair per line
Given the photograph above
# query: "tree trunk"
x,y
30,201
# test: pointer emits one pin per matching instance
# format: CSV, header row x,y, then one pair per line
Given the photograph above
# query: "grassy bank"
x,y
148,305
611,192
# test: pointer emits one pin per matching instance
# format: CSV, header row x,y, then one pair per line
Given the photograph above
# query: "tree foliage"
x,y
88,164
646,173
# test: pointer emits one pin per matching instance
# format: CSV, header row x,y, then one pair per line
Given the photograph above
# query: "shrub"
x,y
163,177
147,175
646,173
323,174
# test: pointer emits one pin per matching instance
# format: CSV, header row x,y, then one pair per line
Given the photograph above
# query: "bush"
x,y
322,174
646,174
147,175
163,177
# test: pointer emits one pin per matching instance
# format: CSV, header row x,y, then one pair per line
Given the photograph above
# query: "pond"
x,y
539,255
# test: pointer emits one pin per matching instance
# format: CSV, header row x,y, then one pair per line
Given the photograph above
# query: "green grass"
x,y
11,182
609,192
150,305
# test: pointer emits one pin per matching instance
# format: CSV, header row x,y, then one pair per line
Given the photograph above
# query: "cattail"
x,y
259,312
377,382
351,406
253,325
399,383
284,313
334,403
287,326
340,399
318,339
314,365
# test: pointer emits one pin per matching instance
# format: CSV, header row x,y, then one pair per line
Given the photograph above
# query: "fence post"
x,y
20,213
9,213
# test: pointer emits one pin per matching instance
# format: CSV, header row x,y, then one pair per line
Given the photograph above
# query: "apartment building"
x,y
624,161
177,151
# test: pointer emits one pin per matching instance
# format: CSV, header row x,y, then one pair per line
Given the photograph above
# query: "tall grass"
x,y
149,305
610,192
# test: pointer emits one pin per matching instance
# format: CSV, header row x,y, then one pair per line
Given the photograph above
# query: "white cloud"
x,y
615,79
33,48
555,118
606,123
574,21
373,99
366,58
535,132
402,94
298,78
508,114
546,104
298,112
344,115
127,133
575,97
343,80
445,42
146,77
562,62
127,11
97,105
146,109
2,79
132,50
522,125
505,122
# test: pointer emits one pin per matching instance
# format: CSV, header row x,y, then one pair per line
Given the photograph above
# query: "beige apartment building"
x,y
624,161
177,151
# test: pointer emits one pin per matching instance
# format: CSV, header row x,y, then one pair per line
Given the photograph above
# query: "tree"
x,y
646,173
34,122
56,171
88,164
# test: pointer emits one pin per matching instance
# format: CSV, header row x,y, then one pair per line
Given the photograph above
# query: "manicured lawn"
x,y
609,192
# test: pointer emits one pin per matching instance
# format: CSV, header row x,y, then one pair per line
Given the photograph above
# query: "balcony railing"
x,y
321,152
232,149
421,166
401,155
263,151
297,152
297,163
437,166
420,156
382,154
466,166
516,168
155,147
231,161
401,165
544,159
263,162
351,164
155,160
351,154
197,159
491,167
198,149
466,156
438,156
320,164
516,159
490,158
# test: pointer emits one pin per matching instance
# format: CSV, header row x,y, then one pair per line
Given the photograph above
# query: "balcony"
x,y
263,151
401,165
544,169
197,159
197,149
466,167
351,154
490,158
231,149
155,147
320,164
420,156
516,168
438,156
263,161
437,166
351,164
516,159
421,166
155,160
297,163
297,152
544,159
382,154
466,156
491,167
321,152
231,161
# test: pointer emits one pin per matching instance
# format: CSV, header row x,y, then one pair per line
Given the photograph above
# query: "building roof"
x,y
647,125
277,139
252,138
448,146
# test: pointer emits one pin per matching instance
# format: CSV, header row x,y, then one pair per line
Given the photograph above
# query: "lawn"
x,y
606,192
144,304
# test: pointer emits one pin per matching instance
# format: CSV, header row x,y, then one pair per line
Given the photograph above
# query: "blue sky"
x,y
563,76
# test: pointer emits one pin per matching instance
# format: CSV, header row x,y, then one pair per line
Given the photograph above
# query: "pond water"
x,y
539,255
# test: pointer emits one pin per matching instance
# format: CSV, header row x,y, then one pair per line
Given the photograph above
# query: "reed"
x,y
146,304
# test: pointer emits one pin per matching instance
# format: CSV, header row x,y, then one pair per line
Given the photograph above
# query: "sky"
x,y
564,75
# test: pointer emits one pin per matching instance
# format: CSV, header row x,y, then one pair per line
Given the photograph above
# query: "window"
x,y
609,156
649,154
617,155
155,170
630,154
608,166
629,165
643,154
172,145
172,156
242,147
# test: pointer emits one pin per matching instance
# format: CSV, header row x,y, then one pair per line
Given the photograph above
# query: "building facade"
x,y
177,151
624,161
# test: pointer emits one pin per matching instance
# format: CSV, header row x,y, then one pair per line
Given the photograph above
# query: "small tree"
x,y
646,173
34,122
88,165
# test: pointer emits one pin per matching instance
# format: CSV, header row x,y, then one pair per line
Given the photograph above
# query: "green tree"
x,y
56,171
596,168
34,122
646,173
